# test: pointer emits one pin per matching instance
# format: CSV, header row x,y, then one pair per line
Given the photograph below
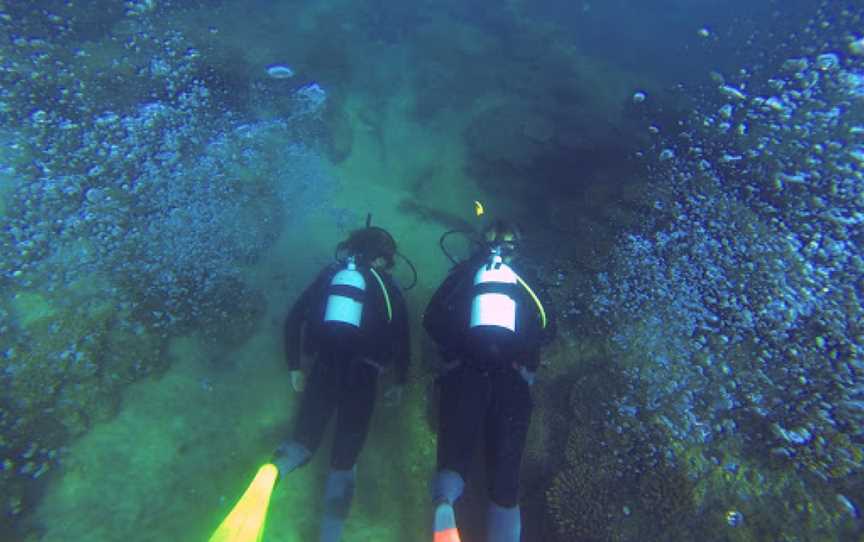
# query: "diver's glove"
x,y
298,380
393,396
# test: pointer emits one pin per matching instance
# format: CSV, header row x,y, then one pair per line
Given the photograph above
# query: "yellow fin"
x,y
245,523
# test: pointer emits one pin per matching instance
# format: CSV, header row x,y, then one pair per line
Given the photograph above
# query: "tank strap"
x,y
503,288
386,294
344,290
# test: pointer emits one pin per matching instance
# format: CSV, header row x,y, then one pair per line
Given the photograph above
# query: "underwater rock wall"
x,y
736,310
134,195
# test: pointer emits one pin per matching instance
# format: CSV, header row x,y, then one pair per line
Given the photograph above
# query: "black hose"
x,y
413,270
468,235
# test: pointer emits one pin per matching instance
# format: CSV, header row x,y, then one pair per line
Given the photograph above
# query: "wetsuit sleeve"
x,y
401,335
297,319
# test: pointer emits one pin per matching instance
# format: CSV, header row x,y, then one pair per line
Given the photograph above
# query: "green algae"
x,y
30,308
180,469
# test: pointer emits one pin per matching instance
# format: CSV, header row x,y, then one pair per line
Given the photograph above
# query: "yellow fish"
x,y
478,208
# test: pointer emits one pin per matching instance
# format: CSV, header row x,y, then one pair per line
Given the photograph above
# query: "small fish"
x,y
478,208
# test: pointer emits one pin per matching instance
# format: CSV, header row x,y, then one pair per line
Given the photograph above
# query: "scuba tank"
x,y
493,303
346,292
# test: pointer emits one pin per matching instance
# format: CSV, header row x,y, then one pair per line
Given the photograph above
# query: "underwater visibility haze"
x,y
688,175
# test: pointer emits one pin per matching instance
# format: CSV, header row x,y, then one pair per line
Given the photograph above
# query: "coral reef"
x,y
665,499
580,505
612,486
63,370
735,310
136,198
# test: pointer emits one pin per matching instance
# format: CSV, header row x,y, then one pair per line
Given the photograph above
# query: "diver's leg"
x,y
338,493
447,487
462,408
462,405
503,524
317,403
358,387
506,433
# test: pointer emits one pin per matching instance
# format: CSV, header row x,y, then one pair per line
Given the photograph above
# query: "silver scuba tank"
x,y
342,306
489,308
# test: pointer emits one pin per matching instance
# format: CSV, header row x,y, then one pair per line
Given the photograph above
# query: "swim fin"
x,y
246,521
445,523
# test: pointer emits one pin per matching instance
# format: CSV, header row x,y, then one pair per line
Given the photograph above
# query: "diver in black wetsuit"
x,y
489,326
352,319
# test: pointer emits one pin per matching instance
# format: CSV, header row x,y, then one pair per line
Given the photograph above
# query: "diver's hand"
x,y
393,396
527,374
298,380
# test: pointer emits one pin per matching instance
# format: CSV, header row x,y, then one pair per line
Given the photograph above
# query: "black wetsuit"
x,y
344,376
482,390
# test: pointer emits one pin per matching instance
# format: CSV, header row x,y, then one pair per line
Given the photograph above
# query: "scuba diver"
x,y
353,321
489,326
